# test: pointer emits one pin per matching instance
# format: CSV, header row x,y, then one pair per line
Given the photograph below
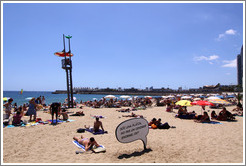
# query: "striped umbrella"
x,y
219,101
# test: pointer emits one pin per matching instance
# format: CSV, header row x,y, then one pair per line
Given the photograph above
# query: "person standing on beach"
x,y
55,108
8,107
32,109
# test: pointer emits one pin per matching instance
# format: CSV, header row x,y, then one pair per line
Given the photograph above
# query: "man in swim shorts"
x,y
55,108
97,125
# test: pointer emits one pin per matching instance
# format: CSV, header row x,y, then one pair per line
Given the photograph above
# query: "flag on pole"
x,y
68,37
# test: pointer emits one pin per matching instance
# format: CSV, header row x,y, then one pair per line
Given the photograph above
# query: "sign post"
x,y
132,130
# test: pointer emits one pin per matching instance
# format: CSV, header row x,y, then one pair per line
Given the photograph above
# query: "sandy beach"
x,y
189,142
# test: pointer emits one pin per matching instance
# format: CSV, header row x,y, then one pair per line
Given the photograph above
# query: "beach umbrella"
x,y
219,101
186,97
183,103
171,96
110,97
230,96
221,97
6,98
197,99
149,97
125,97
212,97
202,103
94,99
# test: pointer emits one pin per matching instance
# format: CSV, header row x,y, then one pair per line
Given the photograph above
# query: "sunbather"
x,y
214,115
88,143
133,115
97,125
225,115
204,118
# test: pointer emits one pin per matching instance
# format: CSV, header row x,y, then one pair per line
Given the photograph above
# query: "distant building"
x,y
240,68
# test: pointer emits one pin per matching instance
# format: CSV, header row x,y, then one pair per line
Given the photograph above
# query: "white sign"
x,y
132,130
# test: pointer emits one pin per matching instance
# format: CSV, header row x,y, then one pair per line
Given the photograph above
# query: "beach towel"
x,y
101,148
54,121
96,133
99,116
213,122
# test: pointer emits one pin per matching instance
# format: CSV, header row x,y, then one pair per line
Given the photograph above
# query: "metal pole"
x,y
71,82
68,96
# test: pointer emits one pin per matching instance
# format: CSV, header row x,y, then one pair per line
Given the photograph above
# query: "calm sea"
x,y
20,99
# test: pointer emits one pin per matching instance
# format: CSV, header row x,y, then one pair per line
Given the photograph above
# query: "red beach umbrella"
x,y
201,103
62,54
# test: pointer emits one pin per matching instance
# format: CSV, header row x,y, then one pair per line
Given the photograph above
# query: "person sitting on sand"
x,y
213,115
204,118
17,118
97,125
169,108
225,115
88,143
163,125
133,115
55,108
64,114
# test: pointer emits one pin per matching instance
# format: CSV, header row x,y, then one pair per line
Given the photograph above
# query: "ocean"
x,y
20,99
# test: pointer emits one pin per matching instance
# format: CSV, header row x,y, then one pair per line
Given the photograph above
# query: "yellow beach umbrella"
x,y
183,103
5,99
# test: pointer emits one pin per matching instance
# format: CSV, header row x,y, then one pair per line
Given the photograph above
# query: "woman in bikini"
x,y
88,143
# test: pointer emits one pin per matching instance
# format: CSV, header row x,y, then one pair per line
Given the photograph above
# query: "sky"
x,y
125,45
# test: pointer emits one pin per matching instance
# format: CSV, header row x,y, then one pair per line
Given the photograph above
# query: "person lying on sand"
x,y
78,113
133,115
97,125
88,143
124,110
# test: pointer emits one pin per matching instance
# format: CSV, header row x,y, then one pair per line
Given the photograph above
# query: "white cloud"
x,y
211,63
228,73
227,32
232,63
209,58
230,32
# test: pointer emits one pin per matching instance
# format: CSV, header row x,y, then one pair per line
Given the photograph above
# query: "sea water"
x,y
20,99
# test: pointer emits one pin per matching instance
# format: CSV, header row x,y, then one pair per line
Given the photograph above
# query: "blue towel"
x,y
82,146
95,133
79,145
212,122
10,126
54,121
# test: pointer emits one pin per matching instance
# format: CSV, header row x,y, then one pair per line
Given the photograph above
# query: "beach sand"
x,y
189,142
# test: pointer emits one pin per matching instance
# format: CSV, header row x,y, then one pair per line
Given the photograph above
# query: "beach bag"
x,y
153,126
80,130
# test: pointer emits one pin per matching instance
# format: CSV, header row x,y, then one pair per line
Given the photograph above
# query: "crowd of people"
x,y
118,103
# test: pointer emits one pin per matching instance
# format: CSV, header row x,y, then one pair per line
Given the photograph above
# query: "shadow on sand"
x,y
134,154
